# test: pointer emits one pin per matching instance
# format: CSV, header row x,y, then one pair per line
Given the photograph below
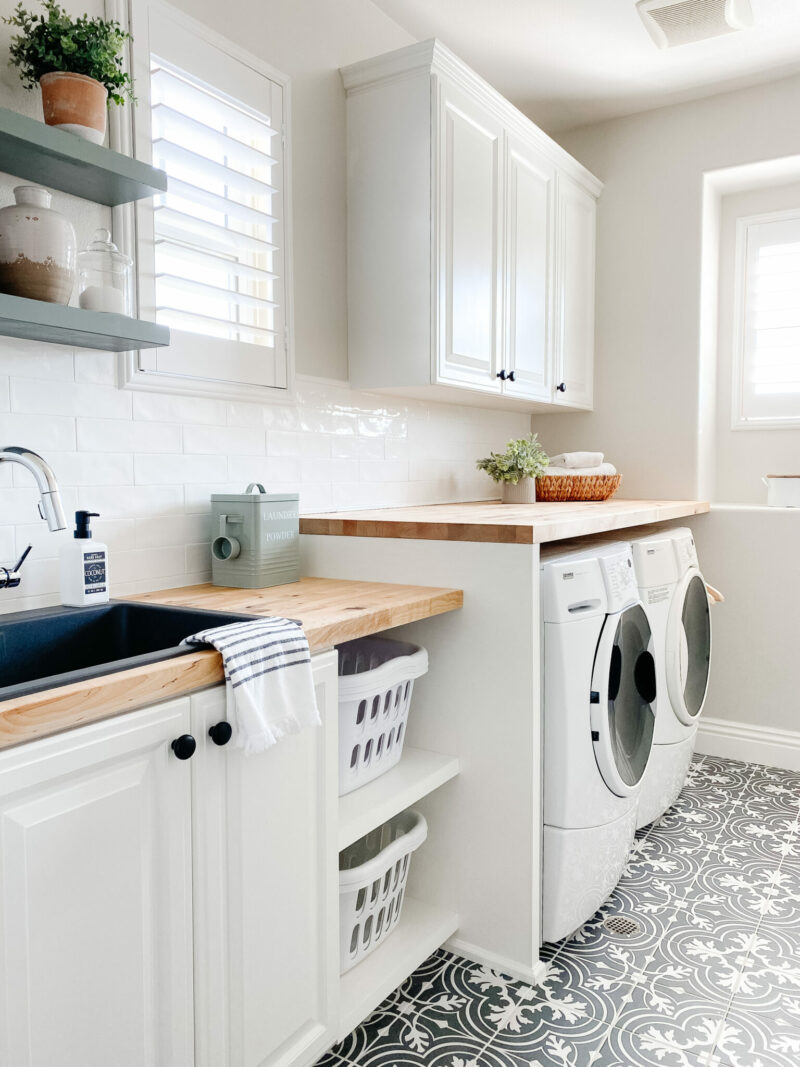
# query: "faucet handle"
x,y
7,577
22,559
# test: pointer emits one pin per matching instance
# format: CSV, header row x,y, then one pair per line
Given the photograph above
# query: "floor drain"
x,y
622,926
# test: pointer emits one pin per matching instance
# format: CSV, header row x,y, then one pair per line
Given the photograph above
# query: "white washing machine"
x,y
672,587
599,719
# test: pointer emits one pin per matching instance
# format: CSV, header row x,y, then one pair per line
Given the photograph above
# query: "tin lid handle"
x,y
255,485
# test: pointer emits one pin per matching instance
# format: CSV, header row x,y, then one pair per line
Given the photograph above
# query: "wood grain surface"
x,y
331,612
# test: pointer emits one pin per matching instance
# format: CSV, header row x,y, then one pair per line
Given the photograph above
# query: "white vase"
x,y
37,248
524,492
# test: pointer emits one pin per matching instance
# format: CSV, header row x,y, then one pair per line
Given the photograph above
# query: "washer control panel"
x,y
619,578
685,552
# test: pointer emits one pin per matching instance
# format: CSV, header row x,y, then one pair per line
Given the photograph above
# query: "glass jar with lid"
x,y
104,276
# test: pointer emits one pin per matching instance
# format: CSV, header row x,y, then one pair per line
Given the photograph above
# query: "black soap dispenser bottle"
x,y
84,566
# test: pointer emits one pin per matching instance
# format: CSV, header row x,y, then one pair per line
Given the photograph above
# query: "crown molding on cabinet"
x,y
434,58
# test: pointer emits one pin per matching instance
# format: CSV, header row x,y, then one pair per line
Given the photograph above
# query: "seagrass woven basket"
x,y
577,486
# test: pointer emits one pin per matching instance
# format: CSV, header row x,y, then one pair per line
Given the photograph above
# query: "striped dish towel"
x,y
270,688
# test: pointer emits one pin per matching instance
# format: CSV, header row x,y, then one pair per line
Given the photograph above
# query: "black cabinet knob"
x,y
501,375
562,387
221,732
184,746
512,376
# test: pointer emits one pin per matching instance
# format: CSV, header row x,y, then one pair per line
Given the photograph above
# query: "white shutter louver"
x,y
215,258
768,349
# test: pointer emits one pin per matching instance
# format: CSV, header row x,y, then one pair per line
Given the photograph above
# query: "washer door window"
x,y
623,699
689,647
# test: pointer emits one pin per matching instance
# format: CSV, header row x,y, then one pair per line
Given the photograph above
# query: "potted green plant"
x,y
517,469
76,62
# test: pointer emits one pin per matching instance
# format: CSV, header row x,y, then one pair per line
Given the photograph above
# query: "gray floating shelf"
x,y
59,160
37,320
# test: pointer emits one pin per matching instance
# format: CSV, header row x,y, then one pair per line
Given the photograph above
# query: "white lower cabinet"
x,y
96,896
165,912
266,891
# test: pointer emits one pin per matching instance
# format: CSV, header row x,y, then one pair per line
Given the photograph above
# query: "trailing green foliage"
x,y
524,458
55,42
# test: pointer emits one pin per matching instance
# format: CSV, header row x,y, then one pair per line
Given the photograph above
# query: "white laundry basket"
x,y
376,681
373,872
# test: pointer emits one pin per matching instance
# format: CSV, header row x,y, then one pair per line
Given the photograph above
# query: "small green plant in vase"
x,y
78,63
517,469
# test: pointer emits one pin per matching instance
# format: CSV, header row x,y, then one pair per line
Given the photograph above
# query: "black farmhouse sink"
x,y
51,647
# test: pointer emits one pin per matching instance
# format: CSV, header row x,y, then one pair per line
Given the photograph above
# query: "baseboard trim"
x,y
749,742
532,975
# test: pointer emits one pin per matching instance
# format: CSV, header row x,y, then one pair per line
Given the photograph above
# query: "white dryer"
x,y
672,587
599,719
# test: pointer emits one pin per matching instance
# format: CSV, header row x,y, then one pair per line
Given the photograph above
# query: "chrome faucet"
x,y
49,497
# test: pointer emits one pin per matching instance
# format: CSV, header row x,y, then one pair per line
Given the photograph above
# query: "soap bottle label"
x,y
94,572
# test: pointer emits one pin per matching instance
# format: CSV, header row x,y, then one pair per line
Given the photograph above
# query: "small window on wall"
x,y
766,380
213,250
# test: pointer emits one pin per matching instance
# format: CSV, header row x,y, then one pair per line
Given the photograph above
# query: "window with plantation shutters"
x,y
214,247
767,308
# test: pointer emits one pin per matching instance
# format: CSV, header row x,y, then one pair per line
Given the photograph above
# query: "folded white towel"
x,y
568,472
577,459
268,679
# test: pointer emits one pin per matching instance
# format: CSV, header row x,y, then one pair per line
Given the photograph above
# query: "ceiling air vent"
x,y
675,22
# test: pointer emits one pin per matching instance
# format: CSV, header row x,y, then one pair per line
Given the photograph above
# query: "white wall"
x,y
149,462
647,416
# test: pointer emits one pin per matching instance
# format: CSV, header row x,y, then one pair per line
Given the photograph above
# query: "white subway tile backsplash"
x,y
159,407
50,432
28,359
69,398
228,440
149,462
125,435
162,469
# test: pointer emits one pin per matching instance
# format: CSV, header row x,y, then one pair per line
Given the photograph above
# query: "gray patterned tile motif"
x,y
711,980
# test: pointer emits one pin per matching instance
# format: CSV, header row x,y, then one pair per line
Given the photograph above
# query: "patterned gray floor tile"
x,y
568,1002
772,969
572,1049
660,1046
712,774
714,958
729,888
757,830
766,1039
670,864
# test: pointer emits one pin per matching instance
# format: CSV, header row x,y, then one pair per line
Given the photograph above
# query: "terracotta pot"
x,y
524,492
37,248
75,103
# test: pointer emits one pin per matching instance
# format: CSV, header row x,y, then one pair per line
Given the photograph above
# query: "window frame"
x,y
738,420
130,132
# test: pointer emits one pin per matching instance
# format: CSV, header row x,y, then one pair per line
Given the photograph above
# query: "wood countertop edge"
x,y
589,518
54,711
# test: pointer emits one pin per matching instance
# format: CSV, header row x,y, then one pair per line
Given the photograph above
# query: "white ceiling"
x,y
567,63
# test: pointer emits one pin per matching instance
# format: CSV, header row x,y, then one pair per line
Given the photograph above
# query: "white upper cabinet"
x,y
470,249
575,288
530,182
470,275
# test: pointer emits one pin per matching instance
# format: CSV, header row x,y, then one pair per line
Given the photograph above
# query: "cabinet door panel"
x,y
470,250
266,902
530,181
95,897
576,267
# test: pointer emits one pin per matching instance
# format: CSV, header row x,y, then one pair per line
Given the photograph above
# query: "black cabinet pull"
x,y
184,746
501,375
512,376
221,732
562,387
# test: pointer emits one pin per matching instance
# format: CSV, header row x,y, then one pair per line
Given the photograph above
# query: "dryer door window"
x,y
689,652
623,699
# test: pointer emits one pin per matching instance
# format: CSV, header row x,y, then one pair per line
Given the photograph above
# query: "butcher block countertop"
x,y
493,521
331,611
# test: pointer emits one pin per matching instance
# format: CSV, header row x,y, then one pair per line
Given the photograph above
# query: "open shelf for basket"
x,y
422,929
417,774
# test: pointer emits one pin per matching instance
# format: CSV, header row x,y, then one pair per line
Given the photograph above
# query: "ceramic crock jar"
x,y
76,103
37,248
